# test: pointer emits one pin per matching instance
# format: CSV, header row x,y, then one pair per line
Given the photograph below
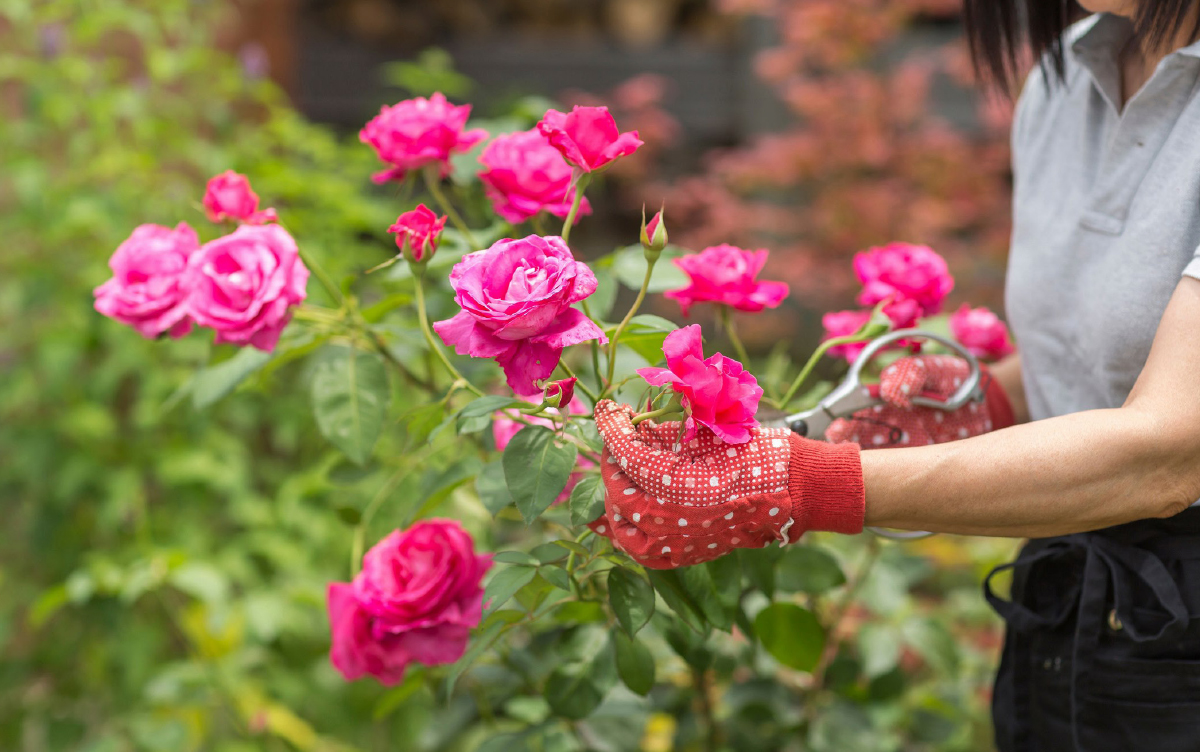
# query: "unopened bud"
x,y
654,234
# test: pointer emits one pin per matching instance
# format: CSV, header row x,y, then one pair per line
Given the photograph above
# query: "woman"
x,y
1103,462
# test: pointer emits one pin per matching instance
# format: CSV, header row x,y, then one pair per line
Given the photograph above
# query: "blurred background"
x,y
163,568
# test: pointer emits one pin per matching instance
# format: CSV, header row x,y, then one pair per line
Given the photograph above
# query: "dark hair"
x,y
998,29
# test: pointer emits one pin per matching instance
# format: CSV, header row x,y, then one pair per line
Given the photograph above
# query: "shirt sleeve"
x,y
1193,268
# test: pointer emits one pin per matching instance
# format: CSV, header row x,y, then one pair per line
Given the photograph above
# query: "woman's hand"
x,y
670,505
898,423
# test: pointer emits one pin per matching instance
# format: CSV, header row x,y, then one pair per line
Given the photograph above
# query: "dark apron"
x,y
1102,650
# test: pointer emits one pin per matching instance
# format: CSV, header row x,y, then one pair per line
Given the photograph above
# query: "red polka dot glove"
x,y
899,423
671,505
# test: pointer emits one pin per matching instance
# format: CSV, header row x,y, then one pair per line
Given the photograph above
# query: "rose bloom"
x,y
228,196
418,132
244,285
587,137
843,324
981,331
421,228
504,428
526,175
717,392
516,302
148,288
914,277
725,274
416,599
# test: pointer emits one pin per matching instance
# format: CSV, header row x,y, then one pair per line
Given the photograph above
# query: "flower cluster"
x,y
242,285
416,599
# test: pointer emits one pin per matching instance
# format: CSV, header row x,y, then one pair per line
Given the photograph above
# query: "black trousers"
x,y
1102,649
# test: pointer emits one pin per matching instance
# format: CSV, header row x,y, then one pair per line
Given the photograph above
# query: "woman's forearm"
x,y
1052,477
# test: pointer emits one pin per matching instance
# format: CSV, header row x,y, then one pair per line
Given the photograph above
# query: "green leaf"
x,y
350,397
807,569
349,515
933,642
537,467
631,598
492,488
759,566
600,303
548,553
587,500
667,584
879,646
214,382
479,643
571,692
556,576
515,557
629,266
635,663
486,406
653,323
697,581
792,635
504,584
420,421
201,580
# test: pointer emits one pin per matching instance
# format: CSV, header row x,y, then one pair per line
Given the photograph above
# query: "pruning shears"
x,y
852,395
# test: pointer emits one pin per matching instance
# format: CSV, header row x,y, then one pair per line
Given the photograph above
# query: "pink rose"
x,y
717,392
526,175
416,599
516,302
843,324
981,331
725,274
914,277
244,284
228,196
417,233
504,428
560,393
417,132
587,137
654,233
148,287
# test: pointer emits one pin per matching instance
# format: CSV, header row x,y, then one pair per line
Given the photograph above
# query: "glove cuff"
x,y
825,482
995,399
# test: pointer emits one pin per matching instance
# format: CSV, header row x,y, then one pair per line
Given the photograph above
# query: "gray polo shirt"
x,y
1106,218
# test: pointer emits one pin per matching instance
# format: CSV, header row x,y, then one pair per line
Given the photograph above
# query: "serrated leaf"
x,y
807,569
587,500
419,422
492,488
214,382
350,396
537,467
504,584
631,597
791,634
548,553
556,576
635,663
667,584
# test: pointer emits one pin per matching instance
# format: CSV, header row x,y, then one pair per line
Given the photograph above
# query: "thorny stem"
x,y
731,333
433,345
612,344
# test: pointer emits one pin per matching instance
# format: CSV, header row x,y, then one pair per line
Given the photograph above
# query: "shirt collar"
x,y
1102,37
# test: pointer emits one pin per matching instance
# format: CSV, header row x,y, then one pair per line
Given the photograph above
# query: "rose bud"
x,y
654,234
417,234
559,393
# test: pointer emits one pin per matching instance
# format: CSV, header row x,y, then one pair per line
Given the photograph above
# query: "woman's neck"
x,y
1139,60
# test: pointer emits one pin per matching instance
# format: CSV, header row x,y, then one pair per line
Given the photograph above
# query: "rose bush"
x,y
584,613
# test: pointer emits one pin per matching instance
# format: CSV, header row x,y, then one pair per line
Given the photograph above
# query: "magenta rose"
x,y
228,196
981,331
717,392
416,599
516,300
418,132
244,285
913,277
843,324
148,289
417,233
725,274
654,233
526,175
504,428
587,137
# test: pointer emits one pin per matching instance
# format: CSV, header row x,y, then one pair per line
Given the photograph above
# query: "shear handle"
x,y
969,390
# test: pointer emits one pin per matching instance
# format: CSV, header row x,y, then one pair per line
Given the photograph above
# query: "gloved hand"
x,y
899,423
671,505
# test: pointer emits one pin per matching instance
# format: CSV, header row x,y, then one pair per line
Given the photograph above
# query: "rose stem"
x,y
433,345
539,226
731,333
804,372
587,311
322,277
432,182
612,345
578,382
580,186
671,409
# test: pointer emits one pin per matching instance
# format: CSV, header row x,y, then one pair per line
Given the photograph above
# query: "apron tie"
x,y
1097,565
